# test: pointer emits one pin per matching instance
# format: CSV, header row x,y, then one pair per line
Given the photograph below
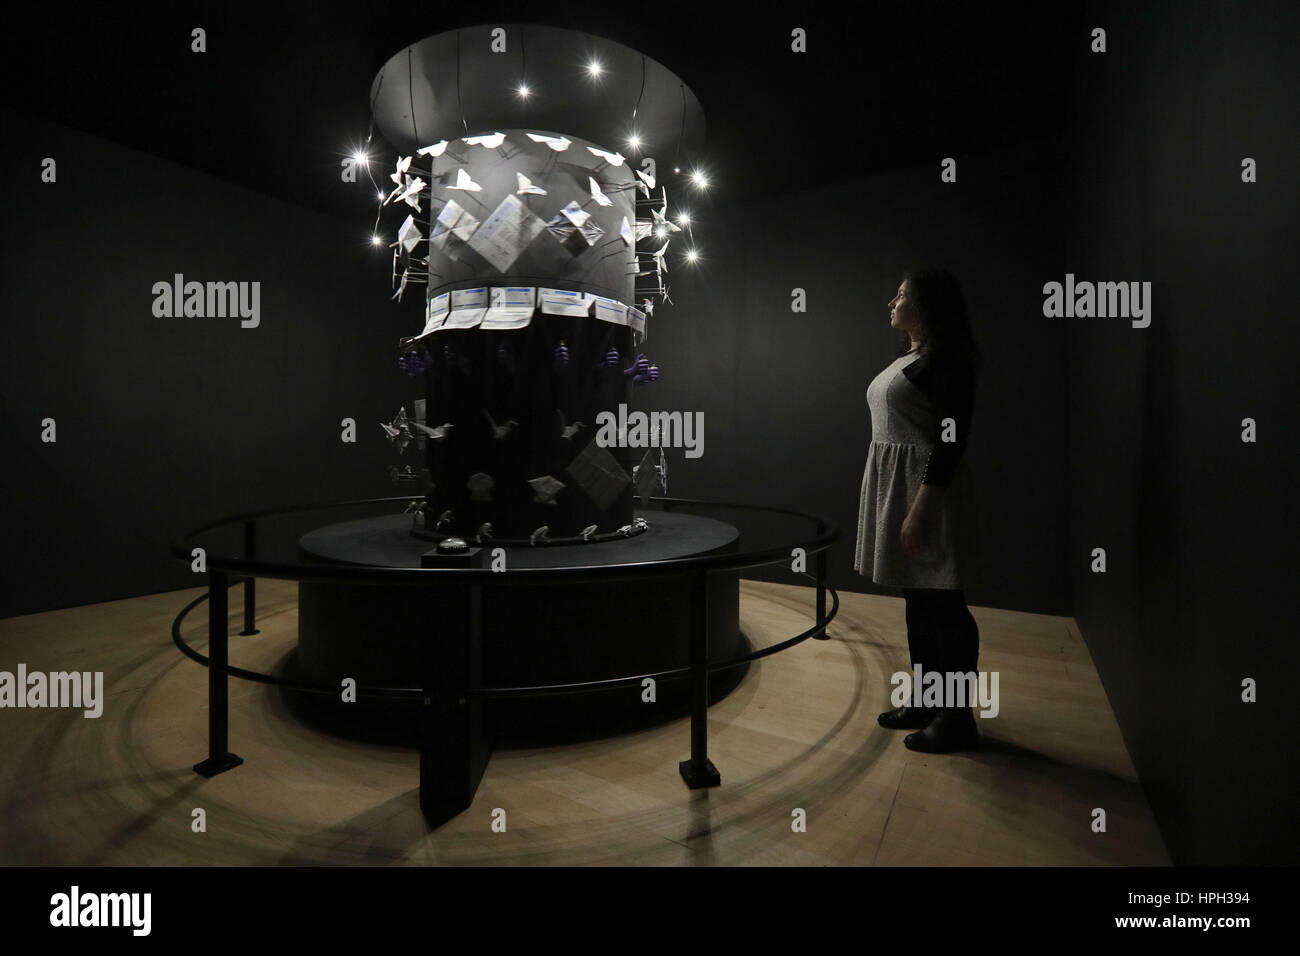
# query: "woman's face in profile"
x,y
902,314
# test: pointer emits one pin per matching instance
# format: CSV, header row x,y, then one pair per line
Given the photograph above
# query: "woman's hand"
x,y
916,525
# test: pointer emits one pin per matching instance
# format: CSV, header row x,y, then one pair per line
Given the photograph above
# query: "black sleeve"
x,y
951,389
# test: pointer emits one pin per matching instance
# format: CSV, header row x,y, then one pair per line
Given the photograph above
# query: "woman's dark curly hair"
x,y
944,333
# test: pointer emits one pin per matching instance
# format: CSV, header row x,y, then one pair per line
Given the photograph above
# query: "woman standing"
x,y
916,519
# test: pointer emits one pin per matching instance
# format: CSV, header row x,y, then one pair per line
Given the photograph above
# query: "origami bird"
x,y
557,143
403,164
398,431
500,432
614,159
663,222
490,141
658,256
437,434
408,195
526,186
463,181
596,193
567,431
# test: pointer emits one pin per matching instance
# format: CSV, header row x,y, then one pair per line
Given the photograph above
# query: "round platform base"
x,y
532,635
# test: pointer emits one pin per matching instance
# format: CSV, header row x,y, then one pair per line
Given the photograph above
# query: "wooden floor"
x,y
799,733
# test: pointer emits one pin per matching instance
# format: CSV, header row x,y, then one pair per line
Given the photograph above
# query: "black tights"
x,y
941,633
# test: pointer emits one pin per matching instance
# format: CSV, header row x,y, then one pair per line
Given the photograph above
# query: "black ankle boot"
x,y
953,729
906,718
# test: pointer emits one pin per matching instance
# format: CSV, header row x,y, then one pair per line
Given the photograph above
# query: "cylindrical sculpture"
x,y
536,238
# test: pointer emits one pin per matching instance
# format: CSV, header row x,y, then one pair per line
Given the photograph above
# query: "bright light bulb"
x,y
523,90
594,68
360,158
380,195
683,220
692,255
376,241
699,180
634,142
660,232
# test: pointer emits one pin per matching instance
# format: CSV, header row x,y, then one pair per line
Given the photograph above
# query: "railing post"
x,y
250,585
455,746
699,771
821,587
219,758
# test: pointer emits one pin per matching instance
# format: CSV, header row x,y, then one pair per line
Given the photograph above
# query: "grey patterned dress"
x,y
903,423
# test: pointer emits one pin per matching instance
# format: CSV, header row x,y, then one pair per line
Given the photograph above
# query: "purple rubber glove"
x,y
642,371
561,355
639,367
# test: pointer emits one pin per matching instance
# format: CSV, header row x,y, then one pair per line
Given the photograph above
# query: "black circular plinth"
x,y
381,635
387,542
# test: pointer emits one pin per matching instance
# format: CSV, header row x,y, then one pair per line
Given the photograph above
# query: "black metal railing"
x,y
226,571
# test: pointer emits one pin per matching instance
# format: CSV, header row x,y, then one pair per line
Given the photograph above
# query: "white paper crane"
x,y
557,143
464,182
662,220
437,434
567,431
614,159
660,263
403,165
499,432
408,193
490,141
437,149
526,186
597,195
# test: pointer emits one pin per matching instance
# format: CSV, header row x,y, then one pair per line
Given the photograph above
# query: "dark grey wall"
x,y
167,422
1199,528
163,423
784,393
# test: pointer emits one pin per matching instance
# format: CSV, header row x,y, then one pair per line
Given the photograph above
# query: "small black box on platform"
x,y
454,553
